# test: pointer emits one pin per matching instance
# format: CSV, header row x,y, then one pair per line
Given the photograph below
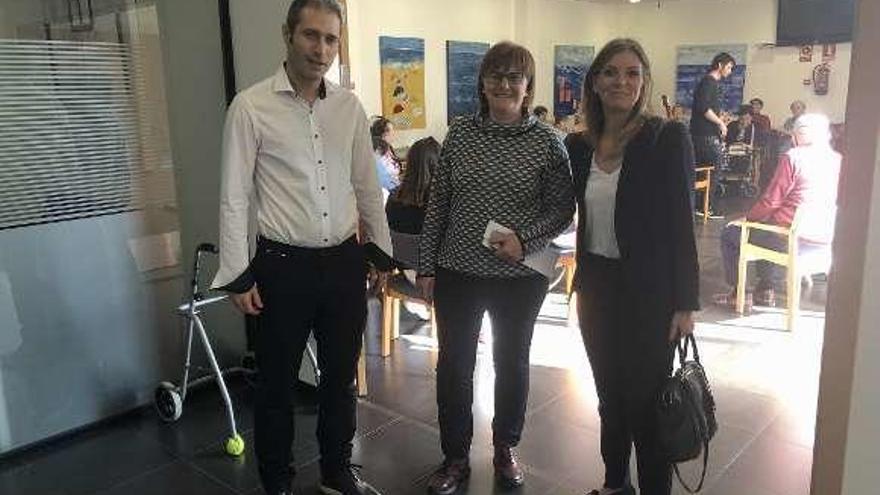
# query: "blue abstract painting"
x,y
463,59
693,62
570,63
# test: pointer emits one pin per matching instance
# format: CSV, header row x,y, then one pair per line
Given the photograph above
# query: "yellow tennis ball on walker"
x,y
235,445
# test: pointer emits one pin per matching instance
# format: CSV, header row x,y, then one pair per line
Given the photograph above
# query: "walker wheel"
x,y
750,191
235,445
169,405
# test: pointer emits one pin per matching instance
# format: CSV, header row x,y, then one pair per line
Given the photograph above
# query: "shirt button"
x,y
326,240
325,213
320,162
316,136
322,188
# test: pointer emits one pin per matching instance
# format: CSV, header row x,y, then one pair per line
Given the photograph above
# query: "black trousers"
x,y
630,358
513,305
303,291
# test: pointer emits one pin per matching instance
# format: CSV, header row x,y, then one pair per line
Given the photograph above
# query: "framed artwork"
x,y
402,63
806,53
570,65
829,52
463,59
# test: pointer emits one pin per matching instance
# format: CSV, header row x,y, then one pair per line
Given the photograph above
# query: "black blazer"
x,y
653,218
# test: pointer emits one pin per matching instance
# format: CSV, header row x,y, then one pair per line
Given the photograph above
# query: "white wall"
x,y
435,22
774,74
563,22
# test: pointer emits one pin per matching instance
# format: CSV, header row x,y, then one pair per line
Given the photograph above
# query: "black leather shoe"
x,y
508,472
345,481
448,479
627,490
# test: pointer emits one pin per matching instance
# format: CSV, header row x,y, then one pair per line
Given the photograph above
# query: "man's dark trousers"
x,y
303,291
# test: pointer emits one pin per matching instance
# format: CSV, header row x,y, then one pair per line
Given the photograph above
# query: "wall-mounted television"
x,y
814,21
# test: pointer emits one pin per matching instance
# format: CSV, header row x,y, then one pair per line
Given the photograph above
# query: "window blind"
x,y
78,137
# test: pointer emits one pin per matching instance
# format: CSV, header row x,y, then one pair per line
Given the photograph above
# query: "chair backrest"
x,y
406,249
814,259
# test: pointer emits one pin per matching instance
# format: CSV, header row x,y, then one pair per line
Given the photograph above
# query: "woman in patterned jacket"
x,y
498,167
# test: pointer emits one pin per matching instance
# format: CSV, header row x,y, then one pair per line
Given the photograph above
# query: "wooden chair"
x,y
361,379
797,264
704,184
399,288
565,245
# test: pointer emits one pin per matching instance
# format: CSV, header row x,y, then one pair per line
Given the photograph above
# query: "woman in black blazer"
x,y
637,275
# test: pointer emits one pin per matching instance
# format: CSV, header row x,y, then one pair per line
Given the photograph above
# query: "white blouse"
x,y
600,198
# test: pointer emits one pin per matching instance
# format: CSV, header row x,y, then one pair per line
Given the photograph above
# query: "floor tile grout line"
x,y
211,477
138,475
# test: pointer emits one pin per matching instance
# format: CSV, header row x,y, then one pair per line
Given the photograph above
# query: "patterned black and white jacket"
x,y
517,175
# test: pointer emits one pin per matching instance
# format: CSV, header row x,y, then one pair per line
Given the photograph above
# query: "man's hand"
x,y
248,302
722,127
682,325
376,280
506,246
426,288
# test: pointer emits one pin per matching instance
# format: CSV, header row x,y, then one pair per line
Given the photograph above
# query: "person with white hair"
x,y
806,182
797,108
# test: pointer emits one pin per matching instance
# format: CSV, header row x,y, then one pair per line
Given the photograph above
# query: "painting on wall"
x,y
402,62
570,65
693,62
463,59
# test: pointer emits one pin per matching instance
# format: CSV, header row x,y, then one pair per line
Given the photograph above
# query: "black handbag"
x,y
686,413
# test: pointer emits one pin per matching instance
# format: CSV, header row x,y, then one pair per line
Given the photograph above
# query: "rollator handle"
x,y
207,247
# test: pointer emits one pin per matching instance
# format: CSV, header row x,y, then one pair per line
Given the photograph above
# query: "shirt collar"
x,y
281,84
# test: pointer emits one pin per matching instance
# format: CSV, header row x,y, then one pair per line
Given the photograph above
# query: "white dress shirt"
x,y
307,168
600,201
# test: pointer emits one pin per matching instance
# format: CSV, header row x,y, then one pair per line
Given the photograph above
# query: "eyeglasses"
x,y
512,78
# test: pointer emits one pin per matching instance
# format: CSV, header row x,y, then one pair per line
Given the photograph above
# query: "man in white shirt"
x,y
296,149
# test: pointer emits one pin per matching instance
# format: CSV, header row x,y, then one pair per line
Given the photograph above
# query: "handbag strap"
x,y
702,476
683,344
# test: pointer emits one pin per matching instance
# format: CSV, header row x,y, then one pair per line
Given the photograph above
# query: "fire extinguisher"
x,y
821,75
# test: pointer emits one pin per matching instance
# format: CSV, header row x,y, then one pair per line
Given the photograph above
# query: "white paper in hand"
x,y
543,262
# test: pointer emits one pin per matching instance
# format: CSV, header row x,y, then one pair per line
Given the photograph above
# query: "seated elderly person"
x,y
742,130
805,180
797,109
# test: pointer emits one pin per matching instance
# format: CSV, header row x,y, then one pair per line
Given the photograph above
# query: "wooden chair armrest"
x,y
707,168
763,226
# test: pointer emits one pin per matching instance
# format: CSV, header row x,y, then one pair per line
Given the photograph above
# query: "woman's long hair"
x,y
377,130
421,160
592,104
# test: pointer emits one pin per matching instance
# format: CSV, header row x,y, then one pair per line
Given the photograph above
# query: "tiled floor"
x,y
765,383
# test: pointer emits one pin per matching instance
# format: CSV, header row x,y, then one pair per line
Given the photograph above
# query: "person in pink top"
x,y
805,181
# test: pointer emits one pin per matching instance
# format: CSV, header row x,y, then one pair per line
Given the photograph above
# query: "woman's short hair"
x,y
421,161
594,113
506,56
